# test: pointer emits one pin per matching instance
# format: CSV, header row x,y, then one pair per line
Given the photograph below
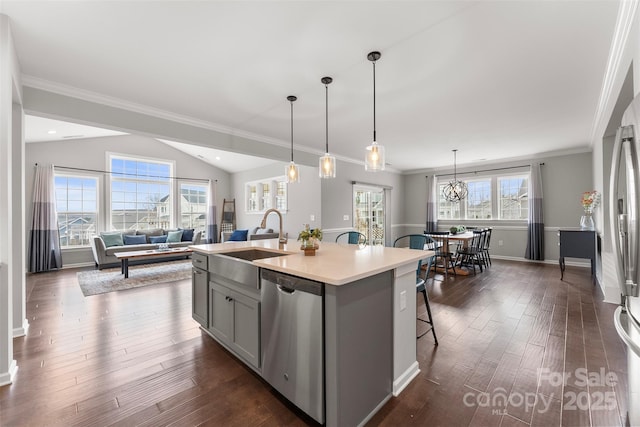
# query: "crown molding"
x,y
90,96
624,22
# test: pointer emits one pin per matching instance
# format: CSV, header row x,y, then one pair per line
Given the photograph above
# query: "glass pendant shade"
x,y
292,172
327,163
327,166
374,159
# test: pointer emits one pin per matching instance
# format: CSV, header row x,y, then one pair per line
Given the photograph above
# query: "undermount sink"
x,y
252,254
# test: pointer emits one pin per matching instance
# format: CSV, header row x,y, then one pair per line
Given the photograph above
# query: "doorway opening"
x,y
369,213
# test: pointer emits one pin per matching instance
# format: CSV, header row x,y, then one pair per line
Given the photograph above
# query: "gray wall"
x,y
90,153
564,179
304,199
337,197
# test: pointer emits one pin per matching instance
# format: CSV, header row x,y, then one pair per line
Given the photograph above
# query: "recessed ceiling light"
x,y
217,157
51,132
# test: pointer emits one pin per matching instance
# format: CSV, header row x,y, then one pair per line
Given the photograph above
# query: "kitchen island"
x,y
368,316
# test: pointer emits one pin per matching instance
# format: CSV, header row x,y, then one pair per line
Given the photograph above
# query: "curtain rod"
x,y
487,170
130,174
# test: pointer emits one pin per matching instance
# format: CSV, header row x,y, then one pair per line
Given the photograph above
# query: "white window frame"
x,y
172,184
495,196
257,203
499,195
206,203
98,212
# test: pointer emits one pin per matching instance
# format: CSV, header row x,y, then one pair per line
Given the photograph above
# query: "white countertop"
x,y
334,264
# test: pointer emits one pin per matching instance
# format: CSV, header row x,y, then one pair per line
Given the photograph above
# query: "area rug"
x,y
96,282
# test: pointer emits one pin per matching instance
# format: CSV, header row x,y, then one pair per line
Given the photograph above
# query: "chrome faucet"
x,y
263,224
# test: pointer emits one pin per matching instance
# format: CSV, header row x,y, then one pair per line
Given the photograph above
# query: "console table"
x,y
577,243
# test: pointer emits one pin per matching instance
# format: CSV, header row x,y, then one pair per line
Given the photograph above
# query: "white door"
x,y
369,213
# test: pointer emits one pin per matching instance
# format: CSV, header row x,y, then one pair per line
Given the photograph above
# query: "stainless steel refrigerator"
x,y
625,234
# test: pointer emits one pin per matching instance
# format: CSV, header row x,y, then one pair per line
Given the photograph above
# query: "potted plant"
x,y
310,238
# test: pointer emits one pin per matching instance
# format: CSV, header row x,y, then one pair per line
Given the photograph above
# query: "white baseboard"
x,y
7,377
405,378
78,265
546,261
22,330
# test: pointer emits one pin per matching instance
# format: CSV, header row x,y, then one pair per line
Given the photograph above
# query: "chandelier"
x,y
455,190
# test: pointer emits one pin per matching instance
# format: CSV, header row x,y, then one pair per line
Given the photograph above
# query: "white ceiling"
x,y
494,79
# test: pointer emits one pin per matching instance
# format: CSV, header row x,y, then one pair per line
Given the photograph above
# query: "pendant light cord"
x,y
326,115
374,101
455,169
291,131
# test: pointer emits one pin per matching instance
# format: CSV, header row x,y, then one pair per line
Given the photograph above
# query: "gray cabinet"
x,y
576,243
234,319
199,290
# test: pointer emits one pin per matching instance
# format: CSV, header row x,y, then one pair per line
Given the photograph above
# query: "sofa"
x,y
105,245
255,233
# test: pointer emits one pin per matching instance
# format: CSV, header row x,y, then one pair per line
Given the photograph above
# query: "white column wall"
x,y
18,240
8,66
627,43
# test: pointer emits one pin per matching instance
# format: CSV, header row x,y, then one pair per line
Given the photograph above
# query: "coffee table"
x,y
124,257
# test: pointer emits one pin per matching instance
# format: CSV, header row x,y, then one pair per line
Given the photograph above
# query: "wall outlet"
x,y
403,300
500,242
345,217
312,217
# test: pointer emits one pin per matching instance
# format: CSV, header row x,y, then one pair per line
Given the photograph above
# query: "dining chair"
x,y
471,254
354,238
422,242
443,252
486,246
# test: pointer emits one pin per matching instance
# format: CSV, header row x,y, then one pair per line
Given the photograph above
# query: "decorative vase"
x,y
586,221
310,247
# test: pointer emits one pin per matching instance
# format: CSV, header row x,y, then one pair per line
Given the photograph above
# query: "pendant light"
x,y
291,170
327,163
455,190
374,159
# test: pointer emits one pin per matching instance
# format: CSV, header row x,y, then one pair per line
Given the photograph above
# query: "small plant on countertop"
x,y
307,234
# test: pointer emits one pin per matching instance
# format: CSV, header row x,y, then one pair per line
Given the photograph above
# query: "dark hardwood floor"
x,y
506,337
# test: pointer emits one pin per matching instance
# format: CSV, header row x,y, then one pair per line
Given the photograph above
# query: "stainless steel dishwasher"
x,y
292,336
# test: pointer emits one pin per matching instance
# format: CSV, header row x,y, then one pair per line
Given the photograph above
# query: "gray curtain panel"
x,y
432,204
212,225
44,245
535,231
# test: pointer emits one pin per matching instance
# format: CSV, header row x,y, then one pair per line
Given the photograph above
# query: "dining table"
x,y
463,239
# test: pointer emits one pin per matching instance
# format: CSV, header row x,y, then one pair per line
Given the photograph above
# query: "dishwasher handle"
x,y
289,284
285,290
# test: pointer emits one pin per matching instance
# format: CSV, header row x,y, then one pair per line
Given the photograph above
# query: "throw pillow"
x,y
158,239
238,236
264,230
174,236
151,232
134,239
187,234
112,239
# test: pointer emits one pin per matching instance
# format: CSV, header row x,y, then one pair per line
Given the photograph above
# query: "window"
x,y
281,196
446,209
265,194
514,197
140,194
501,197
478,199
193,207
77,207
